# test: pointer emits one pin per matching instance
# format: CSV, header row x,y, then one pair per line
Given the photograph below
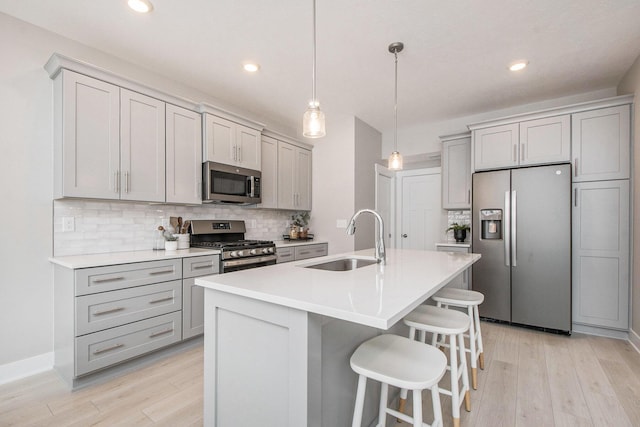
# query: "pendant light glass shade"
x,y
395,161
313,120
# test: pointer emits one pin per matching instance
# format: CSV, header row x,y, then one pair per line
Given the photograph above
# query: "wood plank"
x,y
498,405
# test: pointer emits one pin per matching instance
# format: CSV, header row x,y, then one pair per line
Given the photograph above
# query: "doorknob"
x,y
404,235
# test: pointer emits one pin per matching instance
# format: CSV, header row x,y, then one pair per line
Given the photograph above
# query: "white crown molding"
x,y
455,136
282,137
229,115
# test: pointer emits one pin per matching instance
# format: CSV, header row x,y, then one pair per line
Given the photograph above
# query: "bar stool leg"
x,y
359,406
476,317
437,410
465,377
455,392
473,353
402,401
417,408
382,412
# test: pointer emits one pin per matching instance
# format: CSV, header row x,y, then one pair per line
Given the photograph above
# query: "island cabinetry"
x,y
301,251
192,295
527,142
600,144
601,254
462,280
110,314
184,155
231,143
456,171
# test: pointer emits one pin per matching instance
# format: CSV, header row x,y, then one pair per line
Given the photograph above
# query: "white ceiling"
x,y
454,63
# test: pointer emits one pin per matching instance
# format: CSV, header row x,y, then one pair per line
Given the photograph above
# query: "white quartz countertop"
x,y
112,258
288,243
454,244
375,295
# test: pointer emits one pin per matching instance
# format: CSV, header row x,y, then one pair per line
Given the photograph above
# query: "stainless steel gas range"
x,y
228,236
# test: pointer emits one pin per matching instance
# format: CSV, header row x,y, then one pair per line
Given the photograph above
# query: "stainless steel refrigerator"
x,y
522,227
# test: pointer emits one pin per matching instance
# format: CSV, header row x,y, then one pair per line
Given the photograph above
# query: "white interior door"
x,y
419,209
385,201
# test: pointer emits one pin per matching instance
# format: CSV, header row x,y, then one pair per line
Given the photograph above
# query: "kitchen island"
x,y
278,338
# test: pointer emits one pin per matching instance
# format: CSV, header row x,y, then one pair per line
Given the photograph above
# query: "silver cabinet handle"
x,y
575,197
515,152
304,252
108,279
153,273
405,236
200,267
507,229
575,167
116,182
469,196
239,154
111,310
522,151
514,240
113,347
157,334
155,301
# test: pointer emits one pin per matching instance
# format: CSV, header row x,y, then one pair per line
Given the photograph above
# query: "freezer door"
x,y
541,247
492,274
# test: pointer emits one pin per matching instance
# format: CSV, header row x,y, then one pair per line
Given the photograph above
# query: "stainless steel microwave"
x,y
230,184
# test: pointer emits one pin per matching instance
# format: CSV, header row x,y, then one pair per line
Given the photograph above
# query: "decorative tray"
x,y
303,239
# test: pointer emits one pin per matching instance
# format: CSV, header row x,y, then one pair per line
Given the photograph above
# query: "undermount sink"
x,y
343,264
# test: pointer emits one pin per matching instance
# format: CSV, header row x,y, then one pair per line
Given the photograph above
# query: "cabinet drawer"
x,y
105,348
311,251
200,266
285,254
109,278
452,249
116,308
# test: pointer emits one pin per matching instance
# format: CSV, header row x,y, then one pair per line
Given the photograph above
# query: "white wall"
x,y
333,183
630,83
368,143
423,138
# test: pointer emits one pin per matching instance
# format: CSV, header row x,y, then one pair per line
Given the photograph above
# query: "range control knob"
x,y
233,254
253,251
265,250
272,250
240,253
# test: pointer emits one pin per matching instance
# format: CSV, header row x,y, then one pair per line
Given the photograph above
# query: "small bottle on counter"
x,y
158,240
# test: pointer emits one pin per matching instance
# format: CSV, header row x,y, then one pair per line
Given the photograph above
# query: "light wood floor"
x,y
530,379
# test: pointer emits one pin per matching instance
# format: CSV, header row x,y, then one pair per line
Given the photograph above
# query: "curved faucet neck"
x,y
380,251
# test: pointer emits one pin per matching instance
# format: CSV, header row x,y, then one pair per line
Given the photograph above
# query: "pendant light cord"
x,y
313,86
395,108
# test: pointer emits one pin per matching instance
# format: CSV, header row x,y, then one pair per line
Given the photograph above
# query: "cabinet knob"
x,y
404,235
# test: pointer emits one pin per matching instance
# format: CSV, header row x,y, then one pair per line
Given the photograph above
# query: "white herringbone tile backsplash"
x,y
102,226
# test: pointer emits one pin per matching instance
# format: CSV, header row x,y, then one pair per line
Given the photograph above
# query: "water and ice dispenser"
x,y
491,224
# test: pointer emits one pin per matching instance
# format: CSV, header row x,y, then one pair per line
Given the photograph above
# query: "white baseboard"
x,y
634,339
25,367
601,332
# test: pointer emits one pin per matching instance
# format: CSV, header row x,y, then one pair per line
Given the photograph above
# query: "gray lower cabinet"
x,y
193,295
462,280
600,254
300,252
111,314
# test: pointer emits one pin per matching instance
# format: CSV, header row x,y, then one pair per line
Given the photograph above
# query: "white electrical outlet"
x,y
341,223
68,223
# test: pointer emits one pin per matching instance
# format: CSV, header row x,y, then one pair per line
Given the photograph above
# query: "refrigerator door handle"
x,y
507,228
514,240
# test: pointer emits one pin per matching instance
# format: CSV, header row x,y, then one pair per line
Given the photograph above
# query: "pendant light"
x,y
313,119
395,159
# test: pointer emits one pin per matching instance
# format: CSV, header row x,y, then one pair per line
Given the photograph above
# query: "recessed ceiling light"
x,y
251,67
518,65
140,6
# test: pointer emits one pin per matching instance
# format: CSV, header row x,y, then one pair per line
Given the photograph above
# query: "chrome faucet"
x,y
381,256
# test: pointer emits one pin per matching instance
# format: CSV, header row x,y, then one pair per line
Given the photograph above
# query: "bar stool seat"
x,y
452,324
470,300
403,363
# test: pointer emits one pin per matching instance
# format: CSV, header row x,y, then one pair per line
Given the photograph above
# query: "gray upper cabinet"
x,y
600,144
142,147
184,155
269,185
231,143
456,171
86,137
294,177
545,140
496,147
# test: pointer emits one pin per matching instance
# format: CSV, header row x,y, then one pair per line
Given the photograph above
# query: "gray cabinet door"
x,y
496,147
269,184
311,251
192,309
545,140
600,144
601,254
285,255
184,155
456,174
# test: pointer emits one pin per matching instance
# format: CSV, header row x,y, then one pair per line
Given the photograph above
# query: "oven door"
x,y
230,265
230,184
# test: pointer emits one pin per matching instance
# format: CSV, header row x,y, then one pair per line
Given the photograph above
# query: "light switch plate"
x,y
68,223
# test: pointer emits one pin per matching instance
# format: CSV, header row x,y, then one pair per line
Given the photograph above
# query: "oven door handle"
x,y
250,260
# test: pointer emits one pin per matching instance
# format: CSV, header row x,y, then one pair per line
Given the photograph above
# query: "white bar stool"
x,y
400,362
440,321
471,300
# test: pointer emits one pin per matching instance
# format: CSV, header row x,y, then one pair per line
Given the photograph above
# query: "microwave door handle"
x,y
252,186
